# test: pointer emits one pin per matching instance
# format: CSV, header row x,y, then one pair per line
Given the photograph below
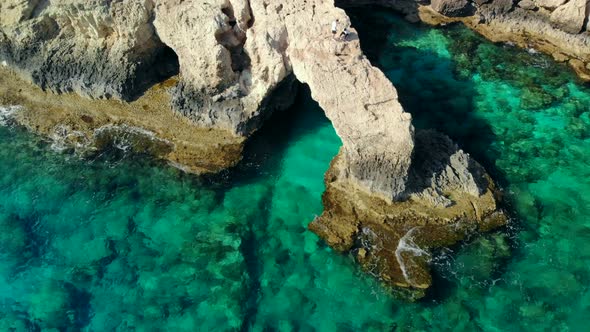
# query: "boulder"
x,y
499,7
451,8
570,16
449,197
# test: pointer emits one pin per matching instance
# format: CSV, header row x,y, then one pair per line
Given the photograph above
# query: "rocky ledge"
x,y
559,28
195,79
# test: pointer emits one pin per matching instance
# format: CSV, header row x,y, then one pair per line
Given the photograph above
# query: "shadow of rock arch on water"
x,y
440,94
282,169
426,78
264,151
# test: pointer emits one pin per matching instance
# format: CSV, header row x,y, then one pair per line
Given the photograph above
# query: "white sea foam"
x,y
129,138
63,137
179,166
128,129
7,114
406,244
124,135
371,237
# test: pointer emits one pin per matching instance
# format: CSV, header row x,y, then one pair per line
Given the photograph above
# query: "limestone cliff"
x,y
557,27
99,49
201,76
236,63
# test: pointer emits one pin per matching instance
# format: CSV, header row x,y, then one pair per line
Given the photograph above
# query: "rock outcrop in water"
x,y
557,27
448,196
390,196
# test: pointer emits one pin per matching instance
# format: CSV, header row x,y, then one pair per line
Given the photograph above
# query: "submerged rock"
x,y
535,98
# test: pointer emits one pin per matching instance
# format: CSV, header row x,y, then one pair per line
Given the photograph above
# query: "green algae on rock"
x,y
145,125
393,240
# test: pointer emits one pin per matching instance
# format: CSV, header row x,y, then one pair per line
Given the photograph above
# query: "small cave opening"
x,y
229,12
166,64
161,66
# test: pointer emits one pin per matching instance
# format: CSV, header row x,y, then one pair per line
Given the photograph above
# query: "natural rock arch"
x,y
388,192
384,189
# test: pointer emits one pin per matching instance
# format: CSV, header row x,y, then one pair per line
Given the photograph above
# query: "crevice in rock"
x,y
233,39
585,24
250,22
39,8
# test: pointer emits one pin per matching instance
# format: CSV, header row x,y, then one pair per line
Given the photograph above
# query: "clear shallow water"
x,y
122,243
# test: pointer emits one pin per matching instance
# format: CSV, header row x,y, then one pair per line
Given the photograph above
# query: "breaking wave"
x,y
7,114
406,245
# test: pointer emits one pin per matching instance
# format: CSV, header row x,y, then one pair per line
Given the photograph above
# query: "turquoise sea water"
x,y
124,243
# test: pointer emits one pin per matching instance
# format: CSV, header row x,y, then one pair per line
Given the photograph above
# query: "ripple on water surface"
x,y
124,243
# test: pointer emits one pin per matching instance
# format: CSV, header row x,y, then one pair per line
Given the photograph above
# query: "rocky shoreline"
x,y
146,125
190,82
558,28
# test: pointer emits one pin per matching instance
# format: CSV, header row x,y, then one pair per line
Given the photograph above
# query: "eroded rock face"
x,y
98,48
252,48
237,60
449,197
231,67
146,125
360,101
